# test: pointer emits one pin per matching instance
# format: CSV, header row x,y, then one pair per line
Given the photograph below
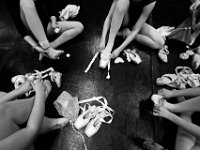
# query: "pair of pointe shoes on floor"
x,y
92,120
105,58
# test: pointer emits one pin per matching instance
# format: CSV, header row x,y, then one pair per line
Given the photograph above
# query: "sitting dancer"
x,y
22,120
132,16
188,136
41,28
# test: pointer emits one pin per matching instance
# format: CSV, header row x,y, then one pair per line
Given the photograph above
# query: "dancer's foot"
x,y
48,85
149,145
51,53
57,123
61,123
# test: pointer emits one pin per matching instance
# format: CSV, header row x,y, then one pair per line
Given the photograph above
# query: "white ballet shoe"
x,y
163,53
56,77
85,117
134,56
82,120
18,80
104,59
93,126
156,98
118,60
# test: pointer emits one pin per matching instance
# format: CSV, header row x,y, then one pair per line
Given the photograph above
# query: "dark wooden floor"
x,y
128,91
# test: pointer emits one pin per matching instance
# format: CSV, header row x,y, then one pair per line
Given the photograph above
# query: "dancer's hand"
x,y
165,93
54,22
161,111
194,5
25,87
38,86
115,53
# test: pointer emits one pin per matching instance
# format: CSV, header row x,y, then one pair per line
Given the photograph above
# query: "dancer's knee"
x,y
122,6
26,5
159,43
79,27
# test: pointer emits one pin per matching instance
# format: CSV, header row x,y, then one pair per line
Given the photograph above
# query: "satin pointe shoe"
x,y
156,98
18,80
196,61
134,56
56,77
82,120
104,59
163,53
93,126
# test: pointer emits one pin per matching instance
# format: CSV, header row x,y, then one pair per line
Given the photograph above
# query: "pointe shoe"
x,y
162,54
93,126
56,77
134,56
156,98
82,120
196,61
104,59
18,80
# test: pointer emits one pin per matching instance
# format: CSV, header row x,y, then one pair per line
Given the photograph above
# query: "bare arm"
x,y
190,105
24,138
25,87
189,92
188,126
107,21
136,28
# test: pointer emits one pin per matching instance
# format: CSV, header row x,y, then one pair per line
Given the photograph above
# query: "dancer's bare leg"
x,y
50,124
184,140
119,13
69,30
31,19
150,37
197,145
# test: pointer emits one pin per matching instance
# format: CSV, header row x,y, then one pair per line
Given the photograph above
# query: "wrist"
x,y
44,44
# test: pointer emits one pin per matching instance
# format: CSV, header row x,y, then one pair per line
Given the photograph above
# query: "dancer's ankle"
x,y
44,44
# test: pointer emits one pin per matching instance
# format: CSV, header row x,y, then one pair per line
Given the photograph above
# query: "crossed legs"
x,y
32,21
69,30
